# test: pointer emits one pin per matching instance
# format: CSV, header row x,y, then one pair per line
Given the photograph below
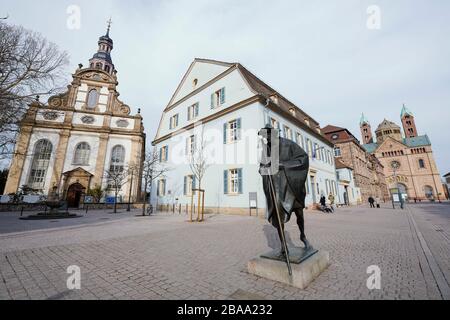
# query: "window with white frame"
x,y
218,98
161,189
232,131
309,147
174,121
300,141
39,165
164,154
190,145
274,123
287,132
193,111
189,184
81,155
233,181
337,152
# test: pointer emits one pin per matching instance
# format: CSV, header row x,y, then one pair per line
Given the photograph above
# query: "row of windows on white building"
x,y
43,151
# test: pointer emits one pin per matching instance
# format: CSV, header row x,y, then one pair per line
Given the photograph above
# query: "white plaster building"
x,y
227,103
69,143
348,192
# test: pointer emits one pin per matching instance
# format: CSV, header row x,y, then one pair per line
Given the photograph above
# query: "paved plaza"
x,y
164,257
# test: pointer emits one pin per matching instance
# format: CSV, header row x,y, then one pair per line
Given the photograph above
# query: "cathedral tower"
x,y
409,125
366,130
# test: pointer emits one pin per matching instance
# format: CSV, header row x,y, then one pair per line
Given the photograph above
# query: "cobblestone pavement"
x,y
165,257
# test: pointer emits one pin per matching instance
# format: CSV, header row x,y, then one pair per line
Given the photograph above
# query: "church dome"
x,y
388,129
386,124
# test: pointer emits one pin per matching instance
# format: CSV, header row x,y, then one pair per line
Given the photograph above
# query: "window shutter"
x,y
176,118
240,181
238,126
196,109
225,181
222,96
170,124
185,186
225,127
160,154
212,100
167,153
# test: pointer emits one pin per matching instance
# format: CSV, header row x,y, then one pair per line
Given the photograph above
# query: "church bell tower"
x,y
102,59
409,125
366,130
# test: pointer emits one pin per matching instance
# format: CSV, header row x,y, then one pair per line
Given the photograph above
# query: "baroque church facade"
x,y
67,145
407,157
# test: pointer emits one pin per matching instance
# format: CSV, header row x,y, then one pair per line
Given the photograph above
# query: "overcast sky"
x,y
319,54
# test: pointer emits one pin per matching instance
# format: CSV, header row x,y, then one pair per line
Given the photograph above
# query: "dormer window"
x,y
292,111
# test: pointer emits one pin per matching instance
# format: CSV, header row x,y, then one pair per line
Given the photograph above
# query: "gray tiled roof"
x,y
419,141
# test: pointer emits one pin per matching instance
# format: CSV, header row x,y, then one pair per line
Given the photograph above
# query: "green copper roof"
x,y
419,141
370,147
363,120
405,111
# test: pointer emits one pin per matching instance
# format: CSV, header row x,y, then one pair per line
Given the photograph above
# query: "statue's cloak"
x,y
289,183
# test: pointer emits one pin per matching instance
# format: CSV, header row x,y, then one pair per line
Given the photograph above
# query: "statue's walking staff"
x,y
280,225
274,197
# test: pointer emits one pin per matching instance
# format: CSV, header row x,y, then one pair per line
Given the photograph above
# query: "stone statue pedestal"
x,y
306,266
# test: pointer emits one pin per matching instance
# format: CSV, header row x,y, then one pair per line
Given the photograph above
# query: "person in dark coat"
x,y
289,182
372,201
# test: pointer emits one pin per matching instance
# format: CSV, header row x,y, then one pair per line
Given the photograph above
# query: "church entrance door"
x,y
74,194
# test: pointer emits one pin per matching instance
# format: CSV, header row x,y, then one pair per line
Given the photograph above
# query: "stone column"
x,y
101,159
18,161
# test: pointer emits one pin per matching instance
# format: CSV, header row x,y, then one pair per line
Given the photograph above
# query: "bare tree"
x,y
116,177
30,66
198,161
152,169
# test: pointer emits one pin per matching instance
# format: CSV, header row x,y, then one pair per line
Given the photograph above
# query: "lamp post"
x,y
129,194
395,165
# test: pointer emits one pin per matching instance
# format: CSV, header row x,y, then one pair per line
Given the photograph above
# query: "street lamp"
x,y
129,194
395,165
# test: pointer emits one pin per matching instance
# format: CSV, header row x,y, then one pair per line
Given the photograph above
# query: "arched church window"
x,y
107,69
92,99
117,158
82,152
39,165
98,65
